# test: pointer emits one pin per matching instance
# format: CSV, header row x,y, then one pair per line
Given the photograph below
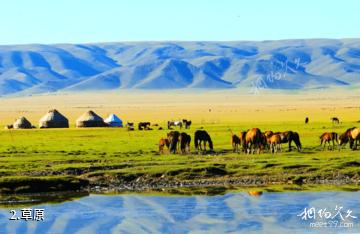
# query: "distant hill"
x,y
286,64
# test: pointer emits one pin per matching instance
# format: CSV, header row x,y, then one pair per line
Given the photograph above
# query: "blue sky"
x,y
82,21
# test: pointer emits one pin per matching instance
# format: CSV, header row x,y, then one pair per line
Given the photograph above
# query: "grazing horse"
x,y
355,136
173,138
327,137
306,120
185,140
268,134
174,123
343,139
162,143
274,142
242,137
351,135
290,136
187,123
201,136
130,126
235,141
335,120
144,126
254,139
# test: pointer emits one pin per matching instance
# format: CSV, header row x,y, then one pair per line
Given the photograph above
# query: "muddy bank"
x,y
138,183
20,185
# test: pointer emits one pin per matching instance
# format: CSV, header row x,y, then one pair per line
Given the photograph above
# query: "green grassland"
x,y
42,160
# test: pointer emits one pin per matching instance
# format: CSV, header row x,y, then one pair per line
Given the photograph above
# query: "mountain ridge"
x,y
283,64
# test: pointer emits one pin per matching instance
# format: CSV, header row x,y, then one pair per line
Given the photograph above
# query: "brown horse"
x,y
185,140
327,137
351,135
162,143
173,138
253,140
355,136
268,134
343,139
242,137
235,142
274,142
290,136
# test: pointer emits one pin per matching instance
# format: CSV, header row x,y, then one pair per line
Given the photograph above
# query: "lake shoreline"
x,y
245,182
147,182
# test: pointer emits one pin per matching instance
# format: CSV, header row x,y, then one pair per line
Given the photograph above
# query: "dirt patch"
x,y
351,164
296,166
268,165
35,185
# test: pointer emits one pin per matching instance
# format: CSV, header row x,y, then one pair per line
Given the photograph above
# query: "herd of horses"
x,y
254,140
180,142
186,123
351,136
170,124
250,141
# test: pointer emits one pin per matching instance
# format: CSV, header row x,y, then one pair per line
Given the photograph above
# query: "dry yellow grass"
x,y
232,106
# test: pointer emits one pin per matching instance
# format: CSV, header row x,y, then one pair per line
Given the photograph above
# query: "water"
x,y
232,212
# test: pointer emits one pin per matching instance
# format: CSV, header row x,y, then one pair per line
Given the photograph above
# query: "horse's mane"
x,y
350,129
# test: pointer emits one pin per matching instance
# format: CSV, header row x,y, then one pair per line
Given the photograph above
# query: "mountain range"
x,y
283,64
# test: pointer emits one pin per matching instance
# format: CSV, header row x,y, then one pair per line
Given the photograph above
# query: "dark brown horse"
x,y
335,120
201,136
187,123
254,139
185,140
328,137
173,138
235,142
290,136
144,126
162,143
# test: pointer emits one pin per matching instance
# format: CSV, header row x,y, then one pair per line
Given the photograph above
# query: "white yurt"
x,y
113,121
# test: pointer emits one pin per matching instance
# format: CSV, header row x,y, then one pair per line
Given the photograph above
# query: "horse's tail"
x,y
196,139
297,140
210,143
